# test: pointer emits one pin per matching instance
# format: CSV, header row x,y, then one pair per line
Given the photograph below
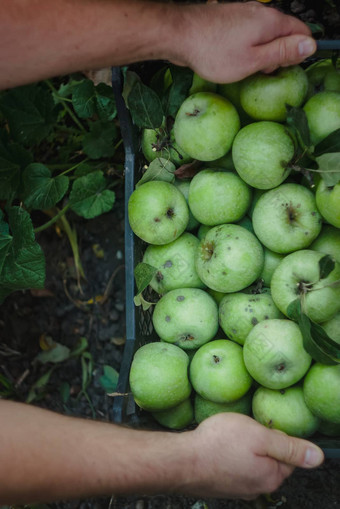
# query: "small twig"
x,y
110,283
22,378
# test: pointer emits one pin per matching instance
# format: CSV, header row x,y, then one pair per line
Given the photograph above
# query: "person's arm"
x,y
221,42
47,457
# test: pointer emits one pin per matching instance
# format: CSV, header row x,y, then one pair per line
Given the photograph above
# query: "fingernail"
x,y
307,47
313,457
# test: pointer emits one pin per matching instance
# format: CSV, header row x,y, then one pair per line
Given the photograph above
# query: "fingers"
x,y
294,451
285,51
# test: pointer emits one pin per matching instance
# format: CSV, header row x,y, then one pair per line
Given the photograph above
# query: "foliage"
x,y
57,147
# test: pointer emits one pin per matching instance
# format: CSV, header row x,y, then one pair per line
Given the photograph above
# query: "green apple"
x,y
175,263
229,258
206,125
239,312
323,75
218,197
330,429
286,218
271,261
328,202
159,376
201,85
332,327
217,296
183,186
202,231
284,410
298,275
261,154
159,143
321,391
332,80
246,222
232,91
264,96
328,242
158,212
274,354
178,417
205,408
218,373
187,317
225,162
323,115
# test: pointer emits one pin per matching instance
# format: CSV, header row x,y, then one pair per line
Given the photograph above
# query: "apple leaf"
x,y
178,91
143,275
297,120
159,169
330,144
145,106
326,265
329,168
315,339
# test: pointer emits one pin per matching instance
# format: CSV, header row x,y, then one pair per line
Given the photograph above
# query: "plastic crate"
x,y
139,328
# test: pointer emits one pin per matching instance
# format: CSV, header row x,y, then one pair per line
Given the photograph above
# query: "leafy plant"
x,y
58,152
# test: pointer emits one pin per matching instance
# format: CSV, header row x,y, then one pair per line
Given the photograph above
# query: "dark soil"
x,y
63,313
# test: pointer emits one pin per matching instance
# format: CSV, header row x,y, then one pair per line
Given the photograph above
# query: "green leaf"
x,y
65,392
318,345
159,169
316,28
88,100
58,353
178,91
140,301
80,347
83,99
42,191
38,385
22,262
329,144
297,120
109,380
294,310
315,339
105,102
99,142
326,265
89,198
30,112
143,275
145,106
13,158
9,179
329,168
130,78
66,89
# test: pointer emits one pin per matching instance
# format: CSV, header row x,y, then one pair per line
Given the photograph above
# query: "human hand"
x,y
236,457
227,42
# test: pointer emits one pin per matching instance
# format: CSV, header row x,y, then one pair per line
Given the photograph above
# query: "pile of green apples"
x,y
232,247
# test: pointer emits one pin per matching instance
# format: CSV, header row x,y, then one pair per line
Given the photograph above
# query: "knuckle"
x,y
282,51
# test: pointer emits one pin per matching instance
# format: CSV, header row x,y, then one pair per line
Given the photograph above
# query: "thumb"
x,y
285,51
294,451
